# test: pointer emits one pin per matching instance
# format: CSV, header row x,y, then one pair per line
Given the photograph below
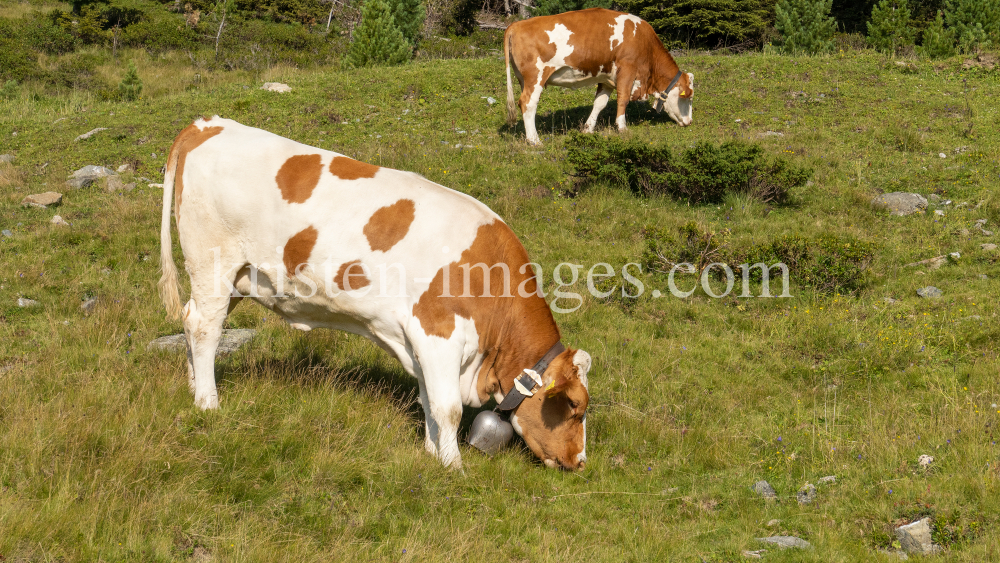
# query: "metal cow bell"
x,y
490,432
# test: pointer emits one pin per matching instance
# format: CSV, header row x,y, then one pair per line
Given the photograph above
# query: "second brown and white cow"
x,y
613,50
429,274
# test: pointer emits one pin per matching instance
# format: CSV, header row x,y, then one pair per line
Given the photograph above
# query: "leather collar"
x,y
515,397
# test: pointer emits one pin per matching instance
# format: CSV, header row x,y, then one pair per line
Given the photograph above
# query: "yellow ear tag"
x,y
551,385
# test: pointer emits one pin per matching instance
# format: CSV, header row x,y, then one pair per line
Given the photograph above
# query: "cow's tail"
x,y
169,292
511,108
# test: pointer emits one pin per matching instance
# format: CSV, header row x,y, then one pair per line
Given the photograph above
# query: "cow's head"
x,y
553,422
677,100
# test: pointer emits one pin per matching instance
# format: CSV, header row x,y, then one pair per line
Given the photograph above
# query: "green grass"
x,y
316,451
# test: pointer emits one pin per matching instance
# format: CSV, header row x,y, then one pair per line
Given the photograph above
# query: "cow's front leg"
x,y
600,102
440,396
625,85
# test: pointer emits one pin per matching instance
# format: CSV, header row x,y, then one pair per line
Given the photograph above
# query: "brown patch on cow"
x,y
687,91
189,139
299,248
350,169
389,225
348,274
552,419
299,176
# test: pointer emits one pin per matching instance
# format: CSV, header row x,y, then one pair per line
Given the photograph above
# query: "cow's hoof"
x,y
210,402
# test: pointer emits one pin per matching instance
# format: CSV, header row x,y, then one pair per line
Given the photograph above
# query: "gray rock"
x,y
42,200
925,460
929,292
90,133
939,213
916,538
114,184
901,203
890,300
58,220
785,542
490,100
88,305
276,87
124,168
773,523
232,340
931,263
988,246
764,489
22,302
88,175
7,158
757,554
772,134
6,233
807,494
983,277
831,479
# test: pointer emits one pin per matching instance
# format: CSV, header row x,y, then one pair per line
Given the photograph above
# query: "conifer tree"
x,y
805,25
130,87
409,17
938,42
976,23
889,29
377,40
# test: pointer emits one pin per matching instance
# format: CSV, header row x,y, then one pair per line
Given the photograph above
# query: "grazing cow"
x,y
431,275
613,50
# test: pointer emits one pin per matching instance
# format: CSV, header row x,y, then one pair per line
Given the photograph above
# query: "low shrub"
x,y
130,88
693,245
76,71
828,263
702,174
160,34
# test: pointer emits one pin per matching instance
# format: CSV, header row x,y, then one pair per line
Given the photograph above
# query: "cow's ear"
x,y
582,362
558,384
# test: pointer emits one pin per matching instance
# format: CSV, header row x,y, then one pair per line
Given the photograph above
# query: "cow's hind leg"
x,y
600,102
534,83
203,319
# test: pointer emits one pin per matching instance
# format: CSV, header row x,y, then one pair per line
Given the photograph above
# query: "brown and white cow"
x,y
431,275
613,50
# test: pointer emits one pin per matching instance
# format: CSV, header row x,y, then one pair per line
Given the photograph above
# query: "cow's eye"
x,y
573,404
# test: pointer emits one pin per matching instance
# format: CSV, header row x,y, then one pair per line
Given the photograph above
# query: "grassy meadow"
x,y
316,452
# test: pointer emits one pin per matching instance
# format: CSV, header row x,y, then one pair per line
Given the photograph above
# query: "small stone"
x,y
201,555
88,175
831,479
988,246
773,523
929,292
124,168
6,233
807,494
152,185
964,232
758,554
981,222
942,155
955,255
901,203
113,184
88,305
23,302
276,87
90,133
890,300
7,158
916,538
772,134
939,213
231,341
490,100
42,200
58,220
764,489
925,460
785,542
129,186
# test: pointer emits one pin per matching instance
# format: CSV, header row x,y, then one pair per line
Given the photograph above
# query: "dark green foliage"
x,y
459,16
938,42
805,26
975,23
8,90
377,40
553,7
693,245
159,34
42,32
130,87
702,174
828,263
409,17
704,23
76,72
16,61
90,26
890,28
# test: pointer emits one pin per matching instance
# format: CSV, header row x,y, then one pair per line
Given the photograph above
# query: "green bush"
x,y
805,26
702,174
17,62
975,23
377,40
409,16
9,90
43,33
938,42
130,88
704,23
695,245
159,34
90,26
459,16
828,263
76,72
890,28
553,7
